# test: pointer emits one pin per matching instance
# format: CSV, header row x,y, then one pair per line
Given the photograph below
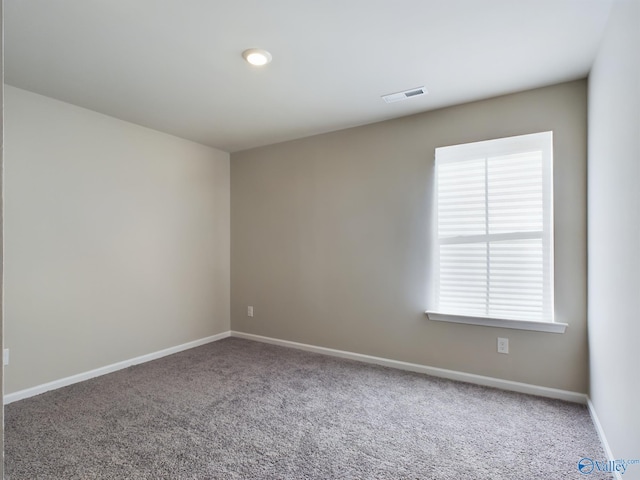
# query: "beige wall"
x,y
330,236
117,240
614,232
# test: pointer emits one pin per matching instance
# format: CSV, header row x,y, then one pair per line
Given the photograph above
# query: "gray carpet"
x,y
238,409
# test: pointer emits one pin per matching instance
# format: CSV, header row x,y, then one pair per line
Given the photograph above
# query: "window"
x,y
493,256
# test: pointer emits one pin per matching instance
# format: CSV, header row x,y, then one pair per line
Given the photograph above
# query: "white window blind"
x,y
494,224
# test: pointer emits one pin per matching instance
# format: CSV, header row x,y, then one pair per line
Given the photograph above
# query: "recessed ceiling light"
x,y
256,56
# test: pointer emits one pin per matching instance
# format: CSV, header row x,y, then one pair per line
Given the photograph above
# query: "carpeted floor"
x,y
238,409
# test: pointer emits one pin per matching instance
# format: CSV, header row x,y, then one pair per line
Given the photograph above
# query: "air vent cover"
x,y
411,93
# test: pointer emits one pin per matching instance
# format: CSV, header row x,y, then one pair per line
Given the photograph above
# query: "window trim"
x,y
505,147
551,327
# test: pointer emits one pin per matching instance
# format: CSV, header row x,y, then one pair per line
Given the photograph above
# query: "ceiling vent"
x,y
396,97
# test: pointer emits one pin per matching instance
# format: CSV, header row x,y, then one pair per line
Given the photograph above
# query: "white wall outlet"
x,y
5,356
249,311
503,345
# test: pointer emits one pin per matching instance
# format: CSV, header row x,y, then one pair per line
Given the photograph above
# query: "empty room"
x,y
299,239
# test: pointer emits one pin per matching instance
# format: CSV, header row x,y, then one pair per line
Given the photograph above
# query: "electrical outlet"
x,y
503,345
249,311
5,356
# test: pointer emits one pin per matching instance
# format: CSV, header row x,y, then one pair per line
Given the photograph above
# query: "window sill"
x,y
552,327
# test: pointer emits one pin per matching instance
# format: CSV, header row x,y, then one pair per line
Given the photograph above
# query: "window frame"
x,y
542,141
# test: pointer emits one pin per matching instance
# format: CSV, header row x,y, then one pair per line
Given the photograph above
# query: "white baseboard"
x,y
434,371
413,367
80,377
601,435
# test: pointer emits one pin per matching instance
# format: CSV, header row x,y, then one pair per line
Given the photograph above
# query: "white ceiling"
x,y
176,65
